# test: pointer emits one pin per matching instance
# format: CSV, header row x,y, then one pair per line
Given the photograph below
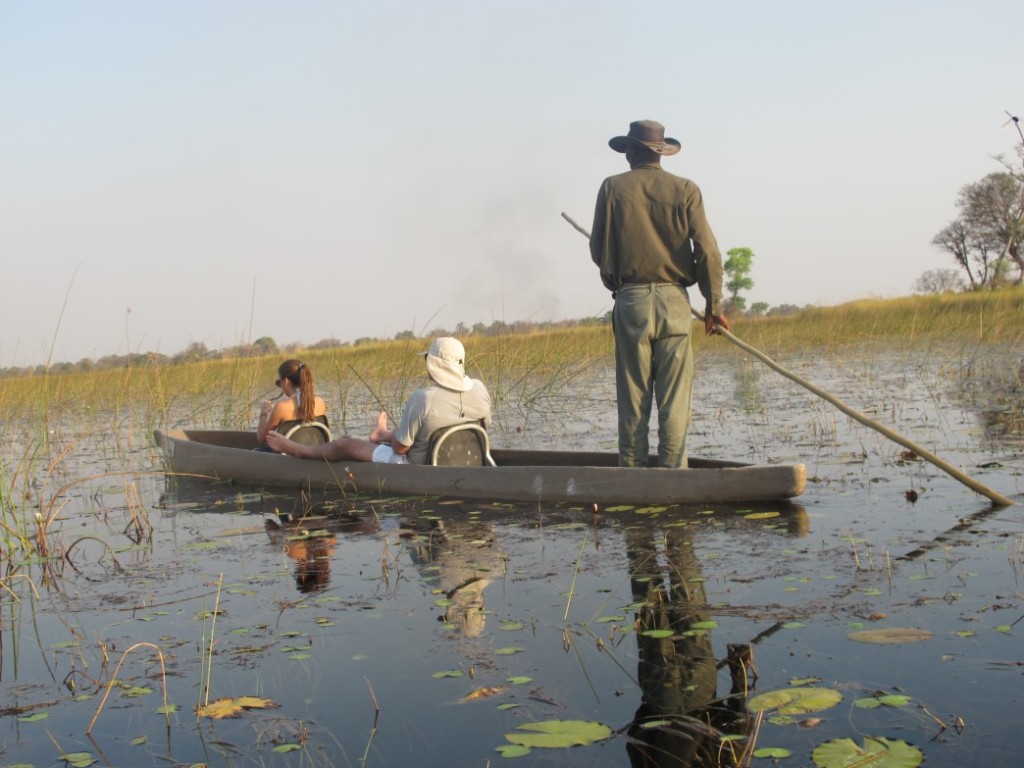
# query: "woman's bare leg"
x,y
337,450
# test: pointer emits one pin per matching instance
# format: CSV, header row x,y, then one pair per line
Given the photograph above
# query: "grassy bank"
x,y
520,368
962,318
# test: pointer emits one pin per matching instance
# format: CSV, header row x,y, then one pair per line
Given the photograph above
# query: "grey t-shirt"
x,y
434,407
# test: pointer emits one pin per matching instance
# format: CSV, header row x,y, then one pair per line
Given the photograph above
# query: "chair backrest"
x,y
460,445
309,433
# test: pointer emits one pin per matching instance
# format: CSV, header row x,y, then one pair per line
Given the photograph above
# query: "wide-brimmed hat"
x,y
446,364
646,133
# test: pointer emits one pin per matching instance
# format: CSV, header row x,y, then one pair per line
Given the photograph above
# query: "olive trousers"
x,y
653,363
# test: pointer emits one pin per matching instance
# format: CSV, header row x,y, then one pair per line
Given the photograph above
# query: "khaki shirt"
x,y
650,227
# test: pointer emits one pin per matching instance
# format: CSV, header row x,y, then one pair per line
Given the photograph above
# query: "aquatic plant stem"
x,y
213,628
575,573
856,415
113,679
924,453
373,394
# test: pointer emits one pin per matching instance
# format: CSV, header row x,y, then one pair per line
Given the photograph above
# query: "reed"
x,y
964,318
522,370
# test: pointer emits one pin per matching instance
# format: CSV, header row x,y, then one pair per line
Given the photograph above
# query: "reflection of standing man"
x,y
680,722
651,240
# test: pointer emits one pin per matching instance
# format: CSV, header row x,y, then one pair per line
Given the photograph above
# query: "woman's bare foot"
x,y
380,434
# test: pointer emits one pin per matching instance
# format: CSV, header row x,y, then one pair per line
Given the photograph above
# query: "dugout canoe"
x,y
521,475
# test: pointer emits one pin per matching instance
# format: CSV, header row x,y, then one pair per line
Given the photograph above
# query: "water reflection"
x,y
680,721
311,552
459,559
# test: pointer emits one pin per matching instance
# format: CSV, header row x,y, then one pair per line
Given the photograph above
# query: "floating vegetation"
x,y
890,635
795,701
557,734
317,608
228,707
886,700
878,752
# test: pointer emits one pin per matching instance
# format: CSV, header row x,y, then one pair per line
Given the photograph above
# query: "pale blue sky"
x,y
301,170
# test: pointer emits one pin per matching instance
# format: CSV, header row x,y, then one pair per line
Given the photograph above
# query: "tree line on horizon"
x,y
266,346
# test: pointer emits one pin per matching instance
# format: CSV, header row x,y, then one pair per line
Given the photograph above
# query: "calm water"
x,y
397,632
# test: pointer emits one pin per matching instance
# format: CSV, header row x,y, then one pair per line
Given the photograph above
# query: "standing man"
x,y
651,241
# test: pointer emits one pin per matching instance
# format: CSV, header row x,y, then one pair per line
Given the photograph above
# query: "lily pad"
x,y
513,750
33,717
796,701
657,633
890,635
890,700
555,734
804,680
876,752
776,752
79,759
448,673
711,624
222,708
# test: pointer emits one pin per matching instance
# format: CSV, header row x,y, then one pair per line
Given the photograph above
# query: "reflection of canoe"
x,y
571,476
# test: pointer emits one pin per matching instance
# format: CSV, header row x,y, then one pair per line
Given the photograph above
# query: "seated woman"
x,y
451,398
297,404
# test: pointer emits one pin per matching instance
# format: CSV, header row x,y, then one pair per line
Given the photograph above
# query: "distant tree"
x,y
328,343
759,307
192,353
404,335
783,309
985,239
737,271
264,345
939,281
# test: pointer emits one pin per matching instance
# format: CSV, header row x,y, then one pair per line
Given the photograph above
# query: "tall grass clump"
x,y
965,319
522,370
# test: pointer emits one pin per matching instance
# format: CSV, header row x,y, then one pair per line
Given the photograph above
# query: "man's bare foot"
x,y
380,433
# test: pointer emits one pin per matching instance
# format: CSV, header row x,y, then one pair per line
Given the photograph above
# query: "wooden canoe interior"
x,y
502,456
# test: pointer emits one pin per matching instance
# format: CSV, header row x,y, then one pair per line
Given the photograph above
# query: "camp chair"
x,y
460,445
309,433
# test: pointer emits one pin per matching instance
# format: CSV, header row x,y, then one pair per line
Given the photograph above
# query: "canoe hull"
x,y
545,476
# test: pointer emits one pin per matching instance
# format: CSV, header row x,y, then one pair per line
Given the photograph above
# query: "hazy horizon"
x,y
217,172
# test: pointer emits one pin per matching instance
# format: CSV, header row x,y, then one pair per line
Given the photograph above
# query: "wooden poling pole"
x,y
924,453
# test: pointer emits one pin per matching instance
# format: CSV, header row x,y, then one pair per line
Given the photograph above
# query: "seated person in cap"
x,y
451,398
